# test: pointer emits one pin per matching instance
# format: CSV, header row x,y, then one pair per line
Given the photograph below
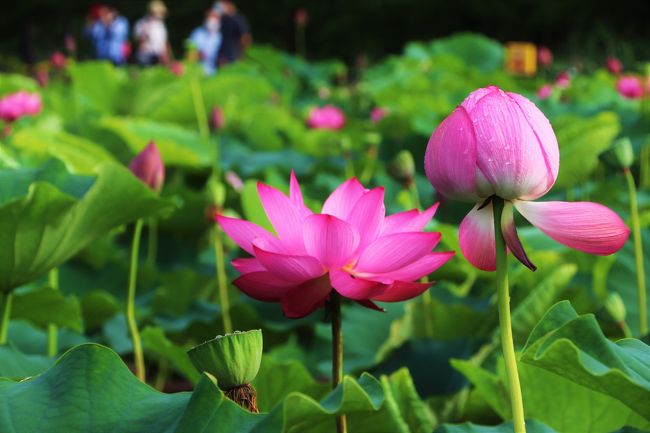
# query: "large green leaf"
x,y
178,146
476,50
574,347
96,86
47,305
157,344
581,140
531,427
15,364
46,227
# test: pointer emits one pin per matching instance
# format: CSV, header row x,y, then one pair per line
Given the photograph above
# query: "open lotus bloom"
x,y
350,247
630,87
19,104
148,167
500,144
327,117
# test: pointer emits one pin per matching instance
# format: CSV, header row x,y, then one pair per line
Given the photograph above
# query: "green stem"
x,y
52,330
152,242
505,326
4,322
130,304
413,188
638,254
221,279
163,375
199,109
347,158
627,332
337,353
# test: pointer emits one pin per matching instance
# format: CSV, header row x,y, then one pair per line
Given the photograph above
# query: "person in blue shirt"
x,y
207,41
109,35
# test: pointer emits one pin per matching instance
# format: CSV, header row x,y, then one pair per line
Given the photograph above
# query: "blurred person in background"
x,y
109,34
234,30
207,40
151,35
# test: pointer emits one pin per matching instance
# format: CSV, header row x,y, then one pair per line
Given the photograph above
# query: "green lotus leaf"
x,y
575,347
47,217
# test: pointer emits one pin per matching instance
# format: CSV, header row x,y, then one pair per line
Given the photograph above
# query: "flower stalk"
x,y
337,352
130,304
52,330
152,242
505,326
638,253
6,314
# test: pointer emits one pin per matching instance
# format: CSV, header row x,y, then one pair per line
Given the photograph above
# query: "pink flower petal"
x,y
263,286
302,300
509,152
369,304
450,158
408,221
354,288
244,232
395,251
295,195
416,270
401,291
343,199
247,265
329,239
476,236
512,239
286,218
584,226
367,216
292,268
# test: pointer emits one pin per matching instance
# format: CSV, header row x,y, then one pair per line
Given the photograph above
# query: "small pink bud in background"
x,y
19,104
234,181
629,87
58,60
148,167
327,117
545,91
70,43
614,65
563,80
301,17
177,68
377,114
217,119
42,77
544,56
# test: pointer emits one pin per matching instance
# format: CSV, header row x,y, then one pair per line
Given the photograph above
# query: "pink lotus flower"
x,y
327,117
563,80
19,104
630,87
148,167
377,114
614,65
350,247
545,91
58,60
544,56
500,144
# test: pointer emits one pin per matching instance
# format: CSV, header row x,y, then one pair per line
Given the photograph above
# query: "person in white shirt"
x,y
151,35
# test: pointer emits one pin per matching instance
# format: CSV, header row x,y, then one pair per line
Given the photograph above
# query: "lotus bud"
x,y
234,361
620,156
616,307
630,87
402,167
614,65
217,118
58,60
544,56
148,167
301,17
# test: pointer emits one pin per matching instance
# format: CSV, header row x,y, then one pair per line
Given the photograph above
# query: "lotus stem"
x,y
638,253
6,314
199,109
52,329
130,304
224,301
505,326
337,353
152,242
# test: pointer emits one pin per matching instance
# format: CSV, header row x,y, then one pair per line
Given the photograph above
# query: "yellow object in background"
x,y
521,58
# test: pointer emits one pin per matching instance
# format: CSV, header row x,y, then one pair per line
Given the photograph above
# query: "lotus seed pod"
x,y
620,156
616,307
233,359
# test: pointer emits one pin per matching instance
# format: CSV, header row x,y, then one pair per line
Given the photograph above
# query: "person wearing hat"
x,y
109,34
206,39
151,35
